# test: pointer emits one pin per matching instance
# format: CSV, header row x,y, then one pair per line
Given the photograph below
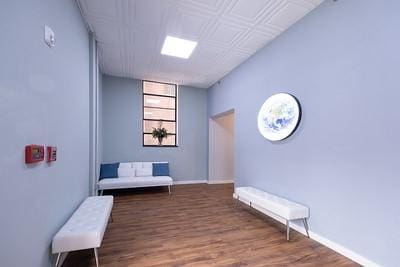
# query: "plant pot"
x,y
160,139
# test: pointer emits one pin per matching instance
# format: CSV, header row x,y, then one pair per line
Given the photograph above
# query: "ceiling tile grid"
x,y
130,34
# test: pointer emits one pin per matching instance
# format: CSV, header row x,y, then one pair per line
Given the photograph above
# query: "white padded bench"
x,y
279,206
85,229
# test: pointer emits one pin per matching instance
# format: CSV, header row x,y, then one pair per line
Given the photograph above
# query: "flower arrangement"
x,y
160,133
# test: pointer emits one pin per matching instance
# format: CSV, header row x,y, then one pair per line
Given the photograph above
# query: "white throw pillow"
x,y
124,165
148,165
137,165
126,172
144,172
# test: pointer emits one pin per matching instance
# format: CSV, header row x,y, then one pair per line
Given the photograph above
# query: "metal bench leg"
x,y
96,257
287,230
58,259
237,202
306,226
169,189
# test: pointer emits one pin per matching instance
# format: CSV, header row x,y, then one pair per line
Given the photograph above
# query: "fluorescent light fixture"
x,y
153,101
178,47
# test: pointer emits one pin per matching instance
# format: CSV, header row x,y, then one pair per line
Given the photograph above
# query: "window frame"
x,y
163,120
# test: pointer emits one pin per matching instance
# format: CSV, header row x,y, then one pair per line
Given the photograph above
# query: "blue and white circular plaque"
x,y
279,116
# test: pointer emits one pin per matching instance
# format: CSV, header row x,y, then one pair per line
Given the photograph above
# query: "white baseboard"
x,y
343,250
220,181
190,182
203,182
320,239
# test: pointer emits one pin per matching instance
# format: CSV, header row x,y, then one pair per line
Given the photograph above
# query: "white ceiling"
x,y
130,34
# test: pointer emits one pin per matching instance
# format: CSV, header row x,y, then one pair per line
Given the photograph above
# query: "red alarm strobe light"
x,y
34,153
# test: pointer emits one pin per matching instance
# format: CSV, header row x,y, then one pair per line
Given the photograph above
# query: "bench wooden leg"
x,y
306,226
287,230
58,259
96,257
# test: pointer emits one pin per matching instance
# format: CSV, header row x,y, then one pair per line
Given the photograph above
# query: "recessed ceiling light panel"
x,y
178,47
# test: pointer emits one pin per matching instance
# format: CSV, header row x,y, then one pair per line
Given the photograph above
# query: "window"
x,y
159,110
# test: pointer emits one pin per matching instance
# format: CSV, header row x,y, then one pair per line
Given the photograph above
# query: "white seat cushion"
x,y
86,227
280,206
131,182
143,172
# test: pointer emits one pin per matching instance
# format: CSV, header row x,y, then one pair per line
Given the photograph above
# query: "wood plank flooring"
x,y
198,225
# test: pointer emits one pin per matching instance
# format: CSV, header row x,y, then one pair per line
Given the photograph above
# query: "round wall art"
x,y
279,116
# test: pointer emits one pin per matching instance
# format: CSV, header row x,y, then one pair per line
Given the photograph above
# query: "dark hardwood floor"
x,y
198,225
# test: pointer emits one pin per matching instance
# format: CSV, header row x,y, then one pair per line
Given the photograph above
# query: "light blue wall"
x,y
342,62
44,99
122,129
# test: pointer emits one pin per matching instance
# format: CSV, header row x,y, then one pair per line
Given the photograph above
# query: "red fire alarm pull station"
x,y
34,153
51,153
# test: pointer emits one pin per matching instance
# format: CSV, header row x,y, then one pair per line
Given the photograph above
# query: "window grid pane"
x,y
149,125
159,109
159,101
159,114
150,141
159,88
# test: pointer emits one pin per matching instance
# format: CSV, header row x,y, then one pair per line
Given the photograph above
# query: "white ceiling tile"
x,y
105,32
236,57
131,33
104,8
209,52
214,6
151,13
307,3
315,2
225,33
255,41
288,15
243,10
187,26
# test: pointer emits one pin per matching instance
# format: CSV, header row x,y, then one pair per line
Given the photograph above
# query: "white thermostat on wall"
x,y
49,36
